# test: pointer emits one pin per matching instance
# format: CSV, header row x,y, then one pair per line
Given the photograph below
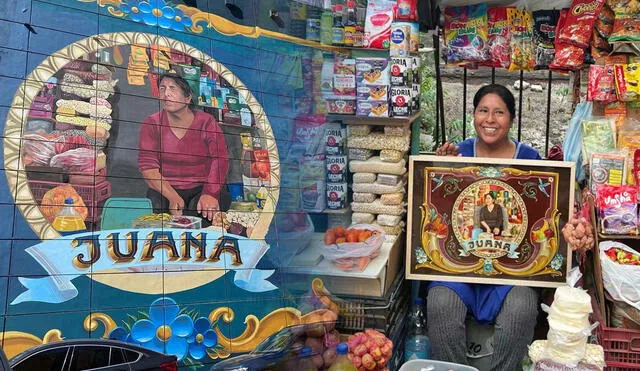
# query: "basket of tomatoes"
x,y
353,248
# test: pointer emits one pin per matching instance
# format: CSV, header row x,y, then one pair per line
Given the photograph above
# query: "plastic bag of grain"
x,y
376,188
359,129
379,141
364,197
389,220
388,179
397,131
395,230
390,155
377,207
375,165
392,198
362,218
364,177
360,154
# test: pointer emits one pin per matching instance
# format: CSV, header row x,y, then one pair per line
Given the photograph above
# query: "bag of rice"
x,y
362,218
388,179
389,220
395,230
390,155
360,154
364,197
375,165
376,188
376,207
392,198
364,177
379,141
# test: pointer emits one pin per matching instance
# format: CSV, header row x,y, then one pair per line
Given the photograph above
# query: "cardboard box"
x,y
373,92
373,108
372,71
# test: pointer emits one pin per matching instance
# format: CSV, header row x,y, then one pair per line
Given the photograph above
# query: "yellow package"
x,y
521,42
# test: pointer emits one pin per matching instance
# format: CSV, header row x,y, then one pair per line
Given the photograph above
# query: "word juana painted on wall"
x,y
485,223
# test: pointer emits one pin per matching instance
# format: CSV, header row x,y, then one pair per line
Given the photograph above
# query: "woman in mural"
x,y
183,155
513,310
491,216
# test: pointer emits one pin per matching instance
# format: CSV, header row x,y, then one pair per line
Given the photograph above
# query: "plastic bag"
x,y
618,209
38,149
621,281
602,87
572,146
521,27
351,256
80,161
567,56
465,33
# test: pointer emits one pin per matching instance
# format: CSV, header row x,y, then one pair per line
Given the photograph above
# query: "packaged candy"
x,y
580,21
618,209
465,33
598,136
498,38
544,31
602,87
567,57
521,42
607,168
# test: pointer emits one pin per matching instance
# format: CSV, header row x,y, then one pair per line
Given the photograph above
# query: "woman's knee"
x,y
522,302
442,301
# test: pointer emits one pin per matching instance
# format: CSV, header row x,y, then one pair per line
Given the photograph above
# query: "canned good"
x,y
336,195
313,29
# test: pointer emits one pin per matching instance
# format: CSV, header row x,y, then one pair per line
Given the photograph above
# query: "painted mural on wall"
x,y
134,215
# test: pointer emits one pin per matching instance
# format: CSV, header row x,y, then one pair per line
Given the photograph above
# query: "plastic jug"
x,y
342,363
68,220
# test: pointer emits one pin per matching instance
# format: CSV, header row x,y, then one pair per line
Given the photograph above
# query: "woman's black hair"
x,y
499,90
490,195
179,80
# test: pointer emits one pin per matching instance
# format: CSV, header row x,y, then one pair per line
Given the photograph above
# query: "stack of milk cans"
x,y
404,65
336,158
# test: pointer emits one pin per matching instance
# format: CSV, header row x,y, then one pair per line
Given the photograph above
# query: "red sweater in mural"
x,y
198,158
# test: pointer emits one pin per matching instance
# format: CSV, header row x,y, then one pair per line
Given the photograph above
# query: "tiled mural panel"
x,y
91,230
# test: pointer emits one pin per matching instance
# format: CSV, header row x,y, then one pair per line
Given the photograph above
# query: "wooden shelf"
x,y
339,211
362,120
618,236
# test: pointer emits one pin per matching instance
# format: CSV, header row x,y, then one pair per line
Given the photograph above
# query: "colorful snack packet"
x,y
521,28
602,87
544,32
580,21
567,57
618,209
465,33
598,136
498,43
627,81
626,28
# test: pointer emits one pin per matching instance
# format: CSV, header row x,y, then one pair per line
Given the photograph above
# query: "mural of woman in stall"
x,y
191,161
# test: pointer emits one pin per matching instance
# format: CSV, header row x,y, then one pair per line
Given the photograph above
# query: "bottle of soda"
x,y
342,362
417,345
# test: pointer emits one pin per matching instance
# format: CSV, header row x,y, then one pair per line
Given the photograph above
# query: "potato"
x,y
329,356
317,361
315,344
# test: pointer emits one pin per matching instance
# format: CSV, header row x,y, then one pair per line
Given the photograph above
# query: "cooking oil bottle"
x,y
68,221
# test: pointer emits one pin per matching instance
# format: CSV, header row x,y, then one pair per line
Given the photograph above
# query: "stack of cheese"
x,y
378,161
569,329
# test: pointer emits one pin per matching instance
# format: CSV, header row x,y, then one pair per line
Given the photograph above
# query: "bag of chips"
x,y
580,21
602,87
626,28
498,46
465,33
521,28
627,81
544,32
601,31
567,57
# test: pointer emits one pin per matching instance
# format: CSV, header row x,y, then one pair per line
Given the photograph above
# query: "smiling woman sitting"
x,y
513,310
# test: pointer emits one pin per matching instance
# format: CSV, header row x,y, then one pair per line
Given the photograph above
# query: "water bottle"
x,y
417,345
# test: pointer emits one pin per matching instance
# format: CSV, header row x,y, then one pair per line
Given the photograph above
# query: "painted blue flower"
x,y
557,261
157,12
165,330
203,337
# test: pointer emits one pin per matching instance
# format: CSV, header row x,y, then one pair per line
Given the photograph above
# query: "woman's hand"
x,y
448,149
207,206
496,231
176,206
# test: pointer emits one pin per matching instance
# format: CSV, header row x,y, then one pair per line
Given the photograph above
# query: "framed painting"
x,y
494,221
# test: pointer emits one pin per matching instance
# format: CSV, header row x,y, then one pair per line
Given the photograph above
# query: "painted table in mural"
x,y
489,220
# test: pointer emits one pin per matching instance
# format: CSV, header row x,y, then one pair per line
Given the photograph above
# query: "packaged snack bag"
x,y
601,32
567,57
521,28
602,87
465,33
618,209
544,31
498,38
598,136
580,21
377,27
627,81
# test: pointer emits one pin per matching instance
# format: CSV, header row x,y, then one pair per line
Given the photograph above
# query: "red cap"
x,y
338,7
351,4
